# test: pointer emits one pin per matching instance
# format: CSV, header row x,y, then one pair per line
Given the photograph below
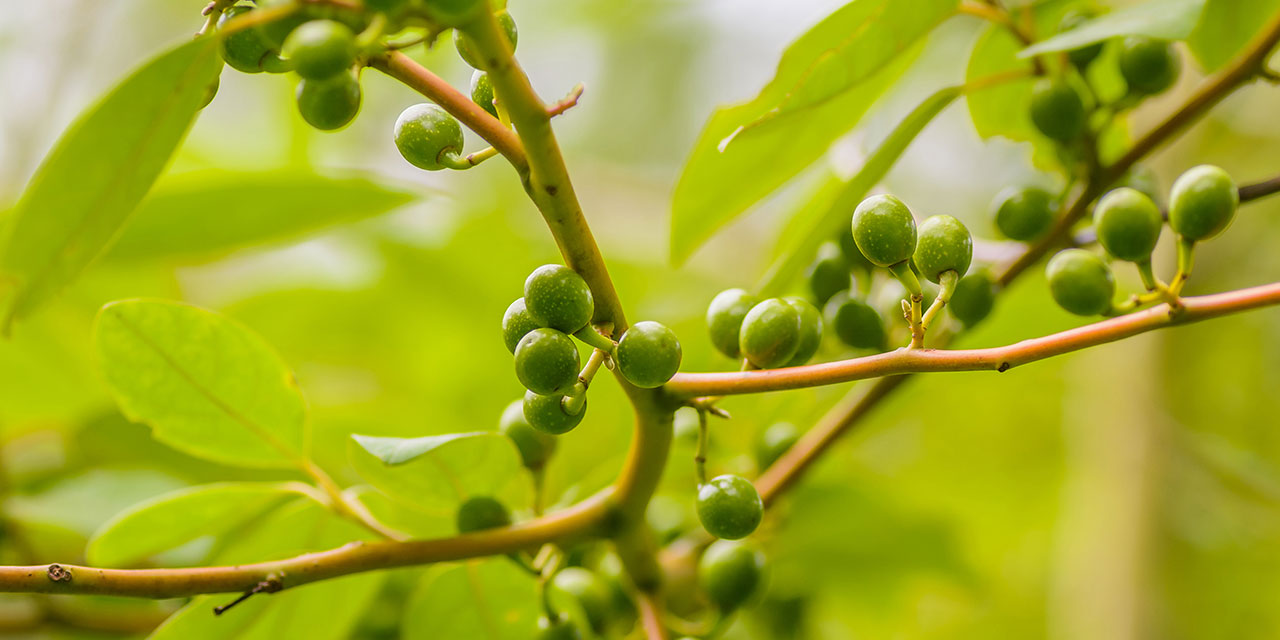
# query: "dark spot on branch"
x,y
551,189
59,573
1004,366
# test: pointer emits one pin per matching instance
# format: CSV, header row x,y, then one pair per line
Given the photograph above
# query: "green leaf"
x,y
1164,19
1003,110
479,600
436,473
1226,27
205,384
176,518
825,82
209,212
832,205
97,173
82,502
327,610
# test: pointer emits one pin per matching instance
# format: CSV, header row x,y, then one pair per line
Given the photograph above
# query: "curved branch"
x,y
690,385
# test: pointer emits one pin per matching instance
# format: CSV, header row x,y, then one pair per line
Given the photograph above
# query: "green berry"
x,y
855,323
244,50
558,297
731,573
425,133
729,507
547,361
547,414
482,92
974,297
329,104
1203,202
467,48
770,335
1150,66
944,245
810,331
535,447
829,274
1081,282
648,354
775,441
451,13
1128,224
1023,213
589,591
724,319
1084,56
516,322
482,512
560,629
1057,110
884,230
321,49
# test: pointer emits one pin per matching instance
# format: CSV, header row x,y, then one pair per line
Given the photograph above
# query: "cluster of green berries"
x,y
1058,104
1128,225
767,334
536,329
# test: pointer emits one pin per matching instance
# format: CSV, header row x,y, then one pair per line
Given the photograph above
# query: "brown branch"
x,y
651,617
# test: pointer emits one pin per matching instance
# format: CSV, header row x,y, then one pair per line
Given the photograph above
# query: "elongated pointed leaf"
x,y
97,173
209,212
1226,26
176,518
479,600
1164,19
204,383
436,473
825,82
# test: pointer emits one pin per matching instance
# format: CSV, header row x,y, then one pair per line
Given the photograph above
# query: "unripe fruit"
x,y
516,322
467,49
729,507
1128,224
1149,66
1057,110
482,512
810,331
884,230
775,441
648,354
855,323
560,629
724,319
1084,56
589,591
482,92
944,245
425,133
973,299
829,274
1081,282
770,335
321,49
731,573
1023,213
329,104
243,50
557,297
547,361
1203,202
535,447
547,414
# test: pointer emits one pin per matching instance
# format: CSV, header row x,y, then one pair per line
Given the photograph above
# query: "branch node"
x,y
272,584
59,573
1004,366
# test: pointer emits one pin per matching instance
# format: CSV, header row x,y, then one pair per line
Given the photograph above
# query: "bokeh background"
x,y
1131,491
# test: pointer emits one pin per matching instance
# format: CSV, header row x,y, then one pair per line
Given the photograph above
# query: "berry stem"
x,y
700,456
1186,260
593,338
947,287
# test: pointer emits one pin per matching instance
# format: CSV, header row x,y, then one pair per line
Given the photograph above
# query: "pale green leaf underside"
x,y
479,600
176,518
97,173
197,215
436,473
1164,19
205,384
825,82
1226,27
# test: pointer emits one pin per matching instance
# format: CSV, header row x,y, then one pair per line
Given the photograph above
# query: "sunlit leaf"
x,y
1164,19
97,173
435,473
479,600
84,501
204,383
1226,27
825,82
196,215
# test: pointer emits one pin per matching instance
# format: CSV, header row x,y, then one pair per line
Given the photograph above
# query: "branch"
x,y
690,385
651,617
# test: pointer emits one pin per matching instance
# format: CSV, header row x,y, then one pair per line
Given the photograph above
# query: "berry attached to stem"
x,y
1057,110
724,319
428,137
1023,213
321,49
557,297
648,354
770,335
329,104
731,573
547,414
729,507
1081,282
547,361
